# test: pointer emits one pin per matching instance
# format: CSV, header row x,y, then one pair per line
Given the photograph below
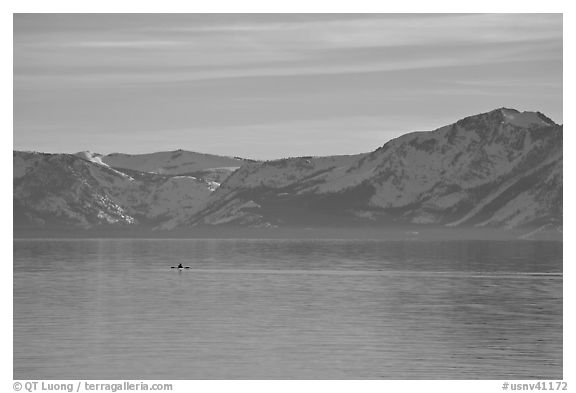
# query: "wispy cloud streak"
x,y
126,72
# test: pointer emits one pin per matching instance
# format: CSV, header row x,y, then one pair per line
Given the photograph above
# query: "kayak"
x,y
180,268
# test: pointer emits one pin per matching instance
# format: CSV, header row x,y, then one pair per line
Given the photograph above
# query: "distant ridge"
x,y
175,162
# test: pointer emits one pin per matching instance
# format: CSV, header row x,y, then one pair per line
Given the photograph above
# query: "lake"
x,y
287,309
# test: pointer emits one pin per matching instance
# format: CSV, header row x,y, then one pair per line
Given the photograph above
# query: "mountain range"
x,y
501,169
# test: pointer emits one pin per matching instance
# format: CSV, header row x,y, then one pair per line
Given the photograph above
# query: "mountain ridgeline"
x,y
501,169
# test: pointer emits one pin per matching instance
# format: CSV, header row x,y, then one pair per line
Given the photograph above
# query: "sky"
x,y
267,86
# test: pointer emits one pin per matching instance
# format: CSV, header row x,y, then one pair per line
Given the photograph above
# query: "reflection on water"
x,y
279,309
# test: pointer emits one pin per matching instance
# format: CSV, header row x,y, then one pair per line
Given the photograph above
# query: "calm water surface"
x,y
279,309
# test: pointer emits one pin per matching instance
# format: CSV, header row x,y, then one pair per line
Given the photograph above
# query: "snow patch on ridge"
x,y
523,119
92,157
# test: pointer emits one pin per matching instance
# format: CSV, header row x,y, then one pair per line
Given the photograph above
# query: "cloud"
x,y
356,31
172,71
167,52
134,44
155,73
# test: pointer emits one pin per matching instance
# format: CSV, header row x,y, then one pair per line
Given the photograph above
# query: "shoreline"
x,y
298,233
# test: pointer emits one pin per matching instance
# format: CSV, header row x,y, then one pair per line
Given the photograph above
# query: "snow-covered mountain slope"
x,y
179,162
501,168
497,169
92,157
64,191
